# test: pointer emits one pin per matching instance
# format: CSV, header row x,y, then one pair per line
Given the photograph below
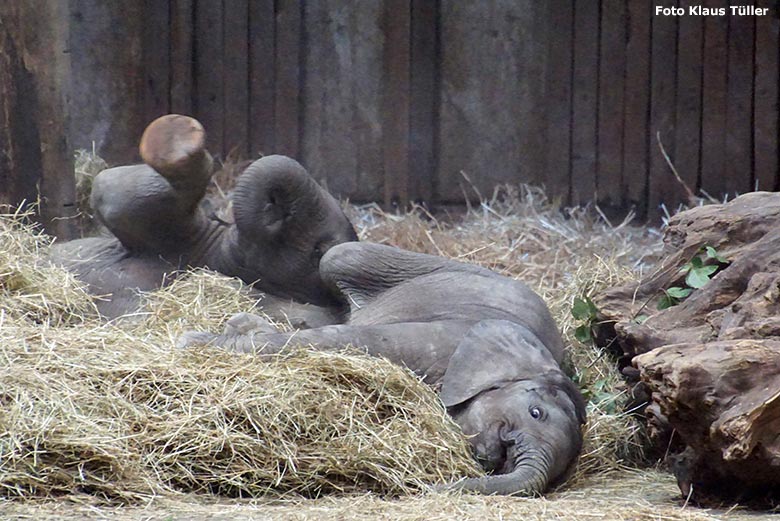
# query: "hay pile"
x,y
114,411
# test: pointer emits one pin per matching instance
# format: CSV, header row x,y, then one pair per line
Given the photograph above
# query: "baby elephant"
x,y
284,223
488,341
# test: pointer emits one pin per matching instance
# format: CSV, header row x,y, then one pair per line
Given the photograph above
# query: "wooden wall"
x,y
407,100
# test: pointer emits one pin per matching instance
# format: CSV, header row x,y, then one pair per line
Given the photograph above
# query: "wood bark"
x,y
711,364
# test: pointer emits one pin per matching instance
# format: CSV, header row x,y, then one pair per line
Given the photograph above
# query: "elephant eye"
x,y
536,413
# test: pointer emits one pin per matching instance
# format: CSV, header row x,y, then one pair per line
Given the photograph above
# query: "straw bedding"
x,y
115,411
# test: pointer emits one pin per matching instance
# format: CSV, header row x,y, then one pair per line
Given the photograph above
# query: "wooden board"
x,y
637,103
396,102
612,64
663,189
287,74
585,102
557,170
739,117
236,78
423,99
209,73
765,110
181,53
687,137
262,74
156,58
714,101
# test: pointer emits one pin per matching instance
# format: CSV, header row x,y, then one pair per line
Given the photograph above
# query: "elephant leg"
x,y
154,207
423,347
363,270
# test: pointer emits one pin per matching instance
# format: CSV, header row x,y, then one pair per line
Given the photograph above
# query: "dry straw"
x,y
114,410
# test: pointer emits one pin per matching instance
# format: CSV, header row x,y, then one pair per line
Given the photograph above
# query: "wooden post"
x,y
35,156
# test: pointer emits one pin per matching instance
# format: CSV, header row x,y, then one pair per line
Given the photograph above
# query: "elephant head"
x,y
522,414
284,223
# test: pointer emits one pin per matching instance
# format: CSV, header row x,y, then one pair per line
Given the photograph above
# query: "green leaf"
x,y
698,277
581,310
592,308
582,333
640,319
696,262
678,293
666,301
713,254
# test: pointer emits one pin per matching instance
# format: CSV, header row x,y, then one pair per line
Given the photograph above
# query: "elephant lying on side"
x,y
284,223
487,340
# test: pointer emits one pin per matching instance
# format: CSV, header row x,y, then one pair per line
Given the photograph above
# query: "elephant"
x,y
283,223
488,342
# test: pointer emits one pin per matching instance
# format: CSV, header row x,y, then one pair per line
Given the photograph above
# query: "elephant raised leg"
x,y
153,207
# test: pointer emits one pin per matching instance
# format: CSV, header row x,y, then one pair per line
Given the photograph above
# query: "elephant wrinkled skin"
x,y
284,223
487,340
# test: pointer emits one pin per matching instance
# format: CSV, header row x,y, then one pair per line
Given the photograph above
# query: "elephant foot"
x,y
175,147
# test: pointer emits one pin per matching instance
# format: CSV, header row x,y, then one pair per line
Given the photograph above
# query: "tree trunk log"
x,y
711,364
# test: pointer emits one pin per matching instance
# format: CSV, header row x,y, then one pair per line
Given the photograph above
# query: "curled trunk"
x,y
530,477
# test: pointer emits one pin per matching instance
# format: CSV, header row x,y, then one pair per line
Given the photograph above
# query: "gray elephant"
x,y
488,341
284,223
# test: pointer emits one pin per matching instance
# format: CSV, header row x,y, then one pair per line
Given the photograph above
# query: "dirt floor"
x,y
623,495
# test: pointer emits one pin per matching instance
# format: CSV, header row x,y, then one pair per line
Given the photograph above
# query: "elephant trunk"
x,y
529,477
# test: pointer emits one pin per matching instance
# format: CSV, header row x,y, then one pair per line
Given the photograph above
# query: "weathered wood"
x,y
557,171
687,137
106,78
612,64
342,133
287,102
262,74
396,102
585,102
236,78
637,99
709,363
484,103
181,61
766,108
714,101
662,188
156,58
423,99
35,88
739,117
209,93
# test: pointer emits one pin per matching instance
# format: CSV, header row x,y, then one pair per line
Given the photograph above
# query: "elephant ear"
x,y
491,354
273,194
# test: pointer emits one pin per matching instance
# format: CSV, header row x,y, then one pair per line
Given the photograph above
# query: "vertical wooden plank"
x,y
287,67
423,100
156,58
560,19
236,79
262,30
610,116
488,102
396,101
637,99
687,138
210,71
714,100
35,36
585,101
662,187
739,108
766,108
181,53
